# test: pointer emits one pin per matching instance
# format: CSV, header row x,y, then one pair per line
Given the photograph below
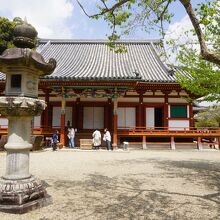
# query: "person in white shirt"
x,y
107,139
71,136
96,139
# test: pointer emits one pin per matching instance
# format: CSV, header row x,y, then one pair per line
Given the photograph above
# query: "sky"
x,y
63,19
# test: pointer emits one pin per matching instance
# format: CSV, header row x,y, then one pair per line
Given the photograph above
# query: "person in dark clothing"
x,y
55,140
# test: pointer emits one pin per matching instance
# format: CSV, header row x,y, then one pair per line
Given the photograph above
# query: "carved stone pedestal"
x,y
20,196
19,190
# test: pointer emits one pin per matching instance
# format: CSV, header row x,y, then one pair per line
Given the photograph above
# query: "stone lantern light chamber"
x,y
19,190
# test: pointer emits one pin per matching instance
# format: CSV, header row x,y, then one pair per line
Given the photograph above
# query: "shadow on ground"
x,y
132,197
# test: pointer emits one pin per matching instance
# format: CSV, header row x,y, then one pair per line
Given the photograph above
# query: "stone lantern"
x,y
19,190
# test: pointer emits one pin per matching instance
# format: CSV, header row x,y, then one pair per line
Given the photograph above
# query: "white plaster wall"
x,y
88,117
130,117
132,93
154,100
173,92
93,117
57,113
128,99
126,117
56,117
98,117
177,100
121,117
178,124
83,99
4,122
158,93
37,121
58,99
150,116
148,93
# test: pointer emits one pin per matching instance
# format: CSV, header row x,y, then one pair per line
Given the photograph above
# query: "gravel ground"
x,y
126,185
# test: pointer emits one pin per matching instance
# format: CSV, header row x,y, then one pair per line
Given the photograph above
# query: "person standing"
x,y
72,136
69,137
96,139
55,140
107,139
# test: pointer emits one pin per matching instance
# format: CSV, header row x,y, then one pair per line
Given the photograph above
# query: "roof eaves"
x,y
98,41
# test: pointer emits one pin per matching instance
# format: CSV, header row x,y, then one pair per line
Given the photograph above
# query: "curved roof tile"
x,y
93,59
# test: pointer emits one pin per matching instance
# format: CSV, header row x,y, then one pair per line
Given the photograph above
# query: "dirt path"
x,y
126,185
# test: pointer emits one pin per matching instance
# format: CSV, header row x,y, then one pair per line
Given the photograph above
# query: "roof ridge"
x,y
46,45
99,41
164,65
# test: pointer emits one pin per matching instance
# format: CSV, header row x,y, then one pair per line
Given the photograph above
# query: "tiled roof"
x,y
93,60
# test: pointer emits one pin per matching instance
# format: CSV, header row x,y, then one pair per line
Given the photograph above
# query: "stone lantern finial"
x,y
25,35
19,190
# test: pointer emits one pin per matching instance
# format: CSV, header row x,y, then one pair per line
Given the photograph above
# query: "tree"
x,y
6,32
209,117
149,13
205,75
127,15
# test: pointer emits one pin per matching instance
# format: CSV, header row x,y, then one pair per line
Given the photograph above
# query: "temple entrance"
x,y
154,117
158,120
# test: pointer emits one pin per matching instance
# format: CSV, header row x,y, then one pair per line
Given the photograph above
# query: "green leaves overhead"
x,y
6,32
205,76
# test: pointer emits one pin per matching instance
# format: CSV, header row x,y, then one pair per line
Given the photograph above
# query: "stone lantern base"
x,y
20,196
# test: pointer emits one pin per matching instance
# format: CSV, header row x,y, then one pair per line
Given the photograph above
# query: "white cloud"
x,y
177,32
49,17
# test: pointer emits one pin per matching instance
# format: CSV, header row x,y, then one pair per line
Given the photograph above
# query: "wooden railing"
x,y
169,131
145,133
140,131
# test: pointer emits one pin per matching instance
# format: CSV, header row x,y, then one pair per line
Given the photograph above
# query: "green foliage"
x,y
126,17
205,76
209,117
6,34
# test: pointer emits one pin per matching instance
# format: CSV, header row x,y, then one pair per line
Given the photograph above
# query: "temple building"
x,y
93,87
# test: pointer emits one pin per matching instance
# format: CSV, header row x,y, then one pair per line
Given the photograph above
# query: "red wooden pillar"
x,y
115,131
191,122
166,111
140,110
62,122
108,115
115,124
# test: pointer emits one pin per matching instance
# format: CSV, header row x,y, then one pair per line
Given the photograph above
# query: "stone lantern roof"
x,y
24,56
